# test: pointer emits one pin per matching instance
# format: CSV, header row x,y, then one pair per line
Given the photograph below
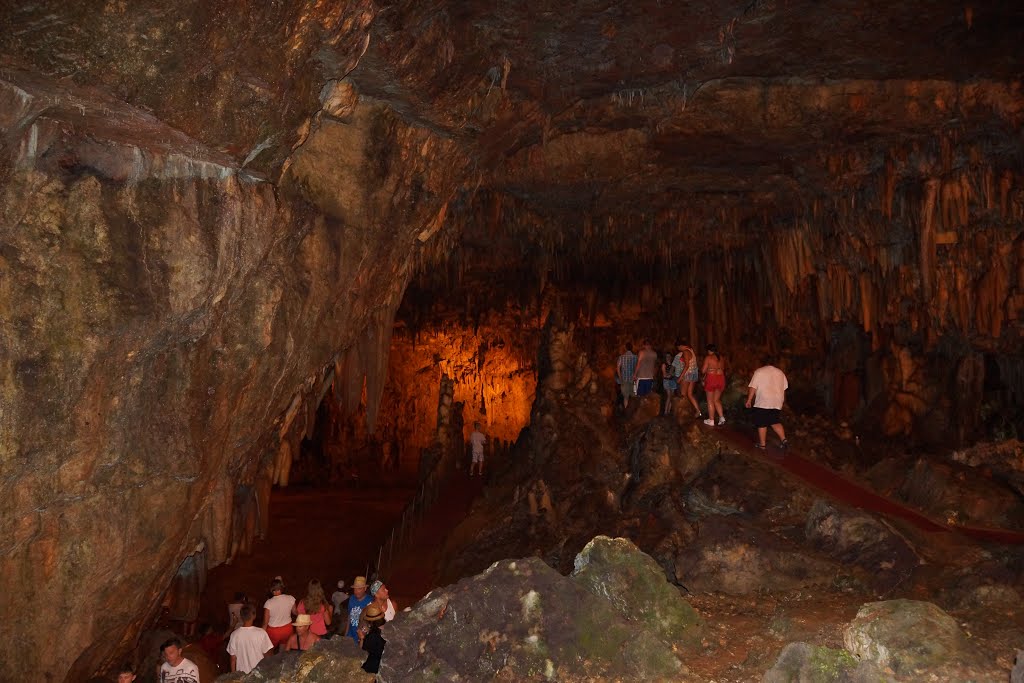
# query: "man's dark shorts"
x,y
766,417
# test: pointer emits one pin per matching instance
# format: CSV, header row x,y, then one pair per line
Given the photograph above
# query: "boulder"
x,y
858,538
906,636
616,570
337,660
805,663
520,620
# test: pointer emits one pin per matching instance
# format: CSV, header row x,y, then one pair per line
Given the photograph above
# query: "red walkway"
x,y
852,493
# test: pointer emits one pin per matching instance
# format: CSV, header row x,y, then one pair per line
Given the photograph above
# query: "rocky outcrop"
x,y
909,637
738,557
521,620
858,538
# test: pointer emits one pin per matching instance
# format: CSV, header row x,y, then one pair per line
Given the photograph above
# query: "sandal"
x,y
759,446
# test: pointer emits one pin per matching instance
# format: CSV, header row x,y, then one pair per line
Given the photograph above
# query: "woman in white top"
x,y
277,613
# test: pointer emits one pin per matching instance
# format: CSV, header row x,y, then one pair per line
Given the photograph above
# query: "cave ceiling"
x,y
571,108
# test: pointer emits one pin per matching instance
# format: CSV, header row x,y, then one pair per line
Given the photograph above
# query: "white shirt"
x,y
280,607
185,672
770,386
389,612
477,439
248,644
338,597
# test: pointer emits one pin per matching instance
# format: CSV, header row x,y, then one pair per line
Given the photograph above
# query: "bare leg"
x,y
762,434
711,407
718,404
777,428
691,399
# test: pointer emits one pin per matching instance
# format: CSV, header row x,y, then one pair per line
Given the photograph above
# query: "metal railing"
x,y
412,513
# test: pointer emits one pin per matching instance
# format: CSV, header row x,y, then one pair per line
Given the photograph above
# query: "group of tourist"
x,y
635,375
288,624
766,391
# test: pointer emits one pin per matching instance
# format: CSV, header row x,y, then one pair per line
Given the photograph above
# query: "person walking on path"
x,y
646,364
248,644
670,371
713,371
766,392
689,374
477,439
625,369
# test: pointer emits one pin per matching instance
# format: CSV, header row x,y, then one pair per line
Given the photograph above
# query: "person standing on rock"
x,y
767,393
277,613
476,444
713,370
625,369
646,364
176,668
356,604
248,644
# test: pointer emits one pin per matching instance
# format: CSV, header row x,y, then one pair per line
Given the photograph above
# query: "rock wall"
x,y
169,324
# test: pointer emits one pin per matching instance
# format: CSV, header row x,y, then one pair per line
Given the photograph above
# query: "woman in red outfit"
x,y
713,372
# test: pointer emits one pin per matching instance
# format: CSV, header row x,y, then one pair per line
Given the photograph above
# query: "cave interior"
x,y
250,246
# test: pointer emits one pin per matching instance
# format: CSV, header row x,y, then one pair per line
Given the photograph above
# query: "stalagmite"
x,y
926,238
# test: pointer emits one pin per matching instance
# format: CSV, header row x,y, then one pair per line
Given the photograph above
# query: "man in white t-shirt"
x,y
176,669
767,393
477,441
277,613
248,644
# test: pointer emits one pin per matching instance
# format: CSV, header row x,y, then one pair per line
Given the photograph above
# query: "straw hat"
x,y
302,620
360,582
373,614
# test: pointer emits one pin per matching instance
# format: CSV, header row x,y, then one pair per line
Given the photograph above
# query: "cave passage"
x,y
263,266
